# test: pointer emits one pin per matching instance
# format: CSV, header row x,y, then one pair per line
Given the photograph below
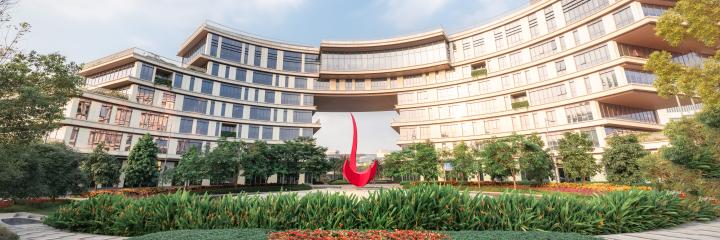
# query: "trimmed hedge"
x,y
440,208
254,189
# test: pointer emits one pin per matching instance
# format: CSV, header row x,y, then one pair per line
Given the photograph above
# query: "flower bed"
x,y
427,207
353,234
577,188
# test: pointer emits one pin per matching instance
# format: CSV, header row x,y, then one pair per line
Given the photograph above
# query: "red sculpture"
x,y
350,170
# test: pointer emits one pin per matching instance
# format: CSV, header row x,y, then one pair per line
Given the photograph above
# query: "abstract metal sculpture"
x,y
350,170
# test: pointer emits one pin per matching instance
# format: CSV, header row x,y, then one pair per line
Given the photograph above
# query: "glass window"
x,y
267,132
308,100
201,127
262,78
301,83
237,111
312,61
146,72
214,70
186,125
639,77
578,9
177,83
292,61
269,96
231,50
122,116
260,113
623,17
289,133
302,116
168,100
206,87
592,57
608,80
192,104
290,98
258,56
272,58
560,66
578,113
240,74
254,132
153,121
229,90
145,95
596,30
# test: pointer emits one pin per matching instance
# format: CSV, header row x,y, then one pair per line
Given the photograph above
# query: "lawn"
x,y
43,207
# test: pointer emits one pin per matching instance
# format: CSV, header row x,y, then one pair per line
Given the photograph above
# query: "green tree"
x,y
257,163
40,170
534,161
221,162
393,164
34,89
101,167
497,155
142,169
61,169
463,161
424,161
574,150
689,19
693,144
314,162
191,169
621,159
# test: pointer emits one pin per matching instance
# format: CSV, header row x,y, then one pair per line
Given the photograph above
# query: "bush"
x,y
217,189
433,207
355,234
215,234
513,235
341,181
6,234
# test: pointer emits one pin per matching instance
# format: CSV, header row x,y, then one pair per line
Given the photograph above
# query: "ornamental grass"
x,y
429,207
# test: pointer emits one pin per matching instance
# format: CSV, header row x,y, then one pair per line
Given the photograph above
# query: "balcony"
x,y
109,93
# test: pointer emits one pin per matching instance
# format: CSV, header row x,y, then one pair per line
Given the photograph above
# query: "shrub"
x,y
520,104
217,189
513,235
339,182
215,234
6,234
355,234
419,208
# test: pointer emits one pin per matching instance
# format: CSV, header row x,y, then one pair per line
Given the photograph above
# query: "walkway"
x,y
28,226
693,231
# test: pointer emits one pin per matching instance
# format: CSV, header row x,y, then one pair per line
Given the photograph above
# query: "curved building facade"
x,y
552,67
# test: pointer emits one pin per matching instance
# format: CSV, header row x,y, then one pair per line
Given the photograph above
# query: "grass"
x,y
43,208
256,233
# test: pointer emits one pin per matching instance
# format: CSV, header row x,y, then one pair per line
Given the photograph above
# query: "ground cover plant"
x,y
219,189
430,207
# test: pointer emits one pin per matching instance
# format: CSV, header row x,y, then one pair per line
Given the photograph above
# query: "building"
x,y
551,67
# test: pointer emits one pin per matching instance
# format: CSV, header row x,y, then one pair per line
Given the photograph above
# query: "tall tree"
x,y
498,161
61,169
689,19
424,160
463,161
12,34
221,162
40,170
621,159
142,169
101,167
256,163
314,162
33,92
693,144
191,169
534,161
575,151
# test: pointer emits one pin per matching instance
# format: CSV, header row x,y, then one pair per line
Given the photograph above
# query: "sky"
x,y
84,30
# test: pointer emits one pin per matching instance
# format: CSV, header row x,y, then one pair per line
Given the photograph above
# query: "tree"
x,y
33,92
60,169
689,19
142,169
534,161
256,162
101,167
39,170
498,159
574,150
463,161
693,144
314,162
191,169
621,159
13,33
221,162
424,160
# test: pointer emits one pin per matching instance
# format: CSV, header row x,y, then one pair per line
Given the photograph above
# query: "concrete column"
x,y
273,179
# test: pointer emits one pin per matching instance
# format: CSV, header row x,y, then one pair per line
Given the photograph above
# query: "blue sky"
x,y
84,30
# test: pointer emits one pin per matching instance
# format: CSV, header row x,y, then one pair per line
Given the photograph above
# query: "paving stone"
x,y
652,235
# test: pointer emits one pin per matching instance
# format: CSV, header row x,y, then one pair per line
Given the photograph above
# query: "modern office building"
x,y
552,67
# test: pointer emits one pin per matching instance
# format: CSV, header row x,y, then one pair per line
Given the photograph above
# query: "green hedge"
x,y
215,234
420,208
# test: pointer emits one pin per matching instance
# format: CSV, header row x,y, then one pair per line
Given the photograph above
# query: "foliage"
x,y
256,162
313,160
428,207
190,170
217,189
520,104
415,160
507,156
478,72
574,149
665,175
101,167
13,33
464,162
535,162
355,234
41,206
39,170
514,235
689,19
6,234
620,159
215,234
34,89
141,169
693,145
221,163
498,159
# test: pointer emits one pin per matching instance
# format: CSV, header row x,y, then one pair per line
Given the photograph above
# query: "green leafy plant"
x,y
476,73
520,104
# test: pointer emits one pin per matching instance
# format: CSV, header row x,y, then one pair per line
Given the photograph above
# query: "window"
x,y
359,84
191,104
413,80
269,96
109,75
308,100
254,132
262,78
185,145
104,116
186,125
579,113
378,83
596,30
547,95
623,17
201,127
272,58
542,73
534,29
576,36
153,121
231,50
608,80
111,139
258,56
321,84
478,45
302,116
550,19
168,100
145,95
122,116
292,61
560,66
550,118
289,133
228,130
651,10
260,113
215,69
515,59
177,83
543,50
312,63
229,90
639,77
513,32
206,87
301,83
592,57
491,126
290,98
499,40
192,84
240,74
628,113
237,111
146,72
578,9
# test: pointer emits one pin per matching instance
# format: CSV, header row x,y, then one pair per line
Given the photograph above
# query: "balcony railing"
x,y
109,93
686,109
